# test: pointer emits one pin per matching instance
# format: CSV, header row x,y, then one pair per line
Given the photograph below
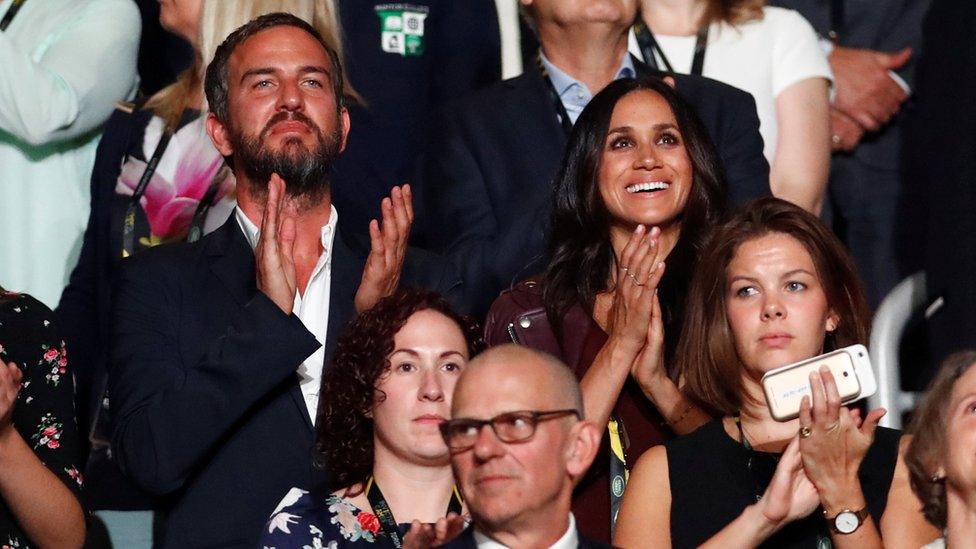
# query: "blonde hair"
x,y
219,18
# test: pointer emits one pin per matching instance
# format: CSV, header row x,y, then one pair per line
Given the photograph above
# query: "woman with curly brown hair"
x,y
383,398
942,456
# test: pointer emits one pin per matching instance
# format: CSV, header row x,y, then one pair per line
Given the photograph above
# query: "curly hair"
x,y
344,441
927,450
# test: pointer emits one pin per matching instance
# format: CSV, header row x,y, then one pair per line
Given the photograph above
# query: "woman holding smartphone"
x,y
774,286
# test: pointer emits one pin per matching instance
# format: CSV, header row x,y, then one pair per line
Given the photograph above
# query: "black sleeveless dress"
x,y
713,478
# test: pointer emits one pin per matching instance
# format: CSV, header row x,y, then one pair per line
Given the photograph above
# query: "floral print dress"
x,y
305,521
44,413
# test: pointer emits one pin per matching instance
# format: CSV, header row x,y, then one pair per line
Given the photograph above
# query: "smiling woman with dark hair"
x,y
639,187
383,398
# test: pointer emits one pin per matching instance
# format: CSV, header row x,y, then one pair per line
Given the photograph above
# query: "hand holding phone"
x,y
785,387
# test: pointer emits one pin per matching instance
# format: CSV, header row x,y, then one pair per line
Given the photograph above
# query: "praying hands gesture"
x,y
388,248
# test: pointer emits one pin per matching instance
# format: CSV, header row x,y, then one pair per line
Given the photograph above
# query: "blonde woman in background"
x,y
189,193
769,52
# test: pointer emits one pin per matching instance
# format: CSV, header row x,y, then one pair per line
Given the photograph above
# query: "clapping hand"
x,y
274,254
790,495
636,309
10,377
388,247
422,536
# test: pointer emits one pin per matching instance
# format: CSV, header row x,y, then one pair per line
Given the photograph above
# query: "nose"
x,y
487,445
431,388
290,96
772,308
646,157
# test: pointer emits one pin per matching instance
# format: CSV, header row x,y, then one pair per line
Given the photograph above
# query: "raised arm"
x,y
70,87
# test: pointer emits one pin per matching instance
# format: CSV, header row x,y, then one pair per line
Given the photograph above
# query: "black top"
x,y
712,482
43,413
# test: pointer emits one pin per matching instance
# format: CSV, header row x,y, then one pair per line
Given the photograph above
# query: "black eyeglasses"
x,y
461,434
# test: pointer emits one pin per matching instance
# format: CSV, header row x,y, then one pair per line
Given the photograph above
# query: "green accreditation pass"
x,y
402,28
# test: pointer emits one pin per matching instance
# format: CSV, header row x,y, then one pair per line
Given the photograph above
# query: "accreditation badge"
x,y
402,28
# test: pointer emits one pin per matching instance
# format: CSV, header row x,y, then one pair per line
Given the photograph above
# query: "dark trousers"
x,y
863,201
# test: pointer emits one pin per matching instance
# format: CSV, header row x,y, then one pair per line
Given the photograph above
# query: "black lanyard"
x,y
199,216
557,102
11,13
387,522
836,20
649,46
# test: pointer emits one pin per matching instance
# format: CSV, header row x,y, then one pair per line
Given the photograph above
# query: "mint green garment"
x,y
63,66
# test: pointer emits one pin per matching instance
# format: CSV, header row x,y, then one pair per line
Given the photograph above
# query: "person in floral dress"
x,y
383,398
39,477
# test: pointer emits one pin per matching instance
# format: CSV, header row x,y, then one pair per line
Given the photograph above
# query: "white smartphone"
x,y
786,386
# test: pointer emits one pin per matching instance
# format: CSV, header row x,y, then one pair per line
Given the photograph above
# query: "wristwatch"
x,y
847,521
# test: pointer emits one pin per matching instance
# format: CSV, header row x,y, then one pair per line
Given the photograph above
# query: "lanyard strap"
x,y
199,215
619,475
557,102
11,13
129,222
383,513
649,47
836,20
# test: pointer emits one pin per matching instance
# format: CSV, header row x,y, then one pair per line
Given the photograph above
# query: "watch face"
x,y
846,522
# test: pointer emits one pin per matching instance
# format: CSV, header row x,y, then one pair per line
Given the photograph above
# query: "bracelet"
x,y
681,417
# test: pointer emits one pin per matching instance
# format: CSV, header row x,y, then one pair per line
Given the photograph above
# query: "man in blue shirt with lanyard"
x,y
485,180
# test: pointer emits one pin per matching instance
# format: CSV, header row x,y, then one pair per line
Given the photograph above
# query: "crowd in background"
x,y
250,265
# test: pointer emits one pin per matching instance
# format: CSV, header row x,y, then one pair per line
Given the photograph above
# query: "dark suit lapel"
x,y
534,97
347,271
233,260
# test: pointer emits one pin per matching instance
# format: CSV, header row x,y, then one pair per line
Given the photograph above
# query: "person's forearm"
x,y
603,381
749,529
679,412
44,507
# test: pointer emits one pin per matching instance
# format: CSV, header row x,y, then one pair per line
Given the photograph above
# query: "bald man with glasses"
x,y
518,445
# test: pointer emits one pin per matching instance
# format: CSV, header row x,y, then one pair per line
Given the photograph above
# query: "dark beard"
x,y
307,174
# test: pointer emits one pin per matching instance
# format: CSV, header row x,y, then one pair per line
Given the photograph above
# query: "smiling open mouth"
x,y
648,187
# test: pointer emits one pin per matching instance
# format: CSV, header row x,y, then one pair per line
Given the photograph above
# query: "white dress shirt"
x,y
312,308
570,539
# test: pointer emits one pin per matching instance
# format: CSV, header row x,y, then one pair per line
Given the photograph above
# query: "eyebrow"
x,y
263,71
411,352
785,275
655,127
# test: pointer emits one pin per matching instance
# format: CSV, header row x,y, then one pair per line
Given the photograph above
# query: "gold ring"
x,y
805,432
625,269
832,426
835,139
634,278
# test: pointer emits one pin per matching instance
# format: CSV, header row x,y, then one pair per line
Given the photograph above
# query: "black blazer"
x,y
206,401
466,541
486,179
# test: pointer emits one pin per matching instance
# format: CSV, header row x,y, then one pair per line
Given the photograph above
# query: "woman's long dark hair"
x,y
581,253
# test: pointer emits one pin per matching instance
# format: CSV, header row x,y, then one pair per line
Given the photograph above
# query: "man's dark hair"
x,y
216,83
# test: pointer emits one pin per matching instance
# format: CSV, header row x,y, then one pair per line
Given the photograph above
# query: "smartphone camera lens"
x,y
846,373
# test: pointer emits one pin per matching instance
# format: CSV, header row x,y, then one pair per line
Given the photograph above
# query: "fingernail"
x,y
639,229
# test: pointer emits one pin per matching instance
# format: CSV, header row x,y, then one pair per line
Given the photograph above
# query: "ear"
x,y
669,80
833,321
583,445
219,134
344,121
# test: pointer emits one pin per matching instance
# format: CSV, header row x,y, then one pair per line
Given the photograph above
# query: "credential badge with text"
x,y
402,28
